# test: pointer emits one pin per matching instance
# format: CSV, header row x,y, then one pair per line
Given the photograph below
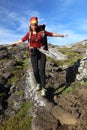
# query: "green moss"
x,y
12,80
20,93
18,71
3,60
72,56
26,63
22,64
52,60
68,90
21,121
74,85
26,54
83,83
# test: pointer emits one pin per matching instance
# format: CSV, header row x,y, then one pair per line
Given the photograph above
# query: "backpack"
x,y
41,28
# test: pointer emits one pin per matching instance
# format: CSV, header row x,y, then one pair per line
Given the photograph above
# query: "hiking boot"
x,y
38,87
43,92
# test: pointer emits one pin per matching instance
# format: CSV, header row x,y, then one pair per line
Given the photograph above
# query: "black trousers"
x,y
38,61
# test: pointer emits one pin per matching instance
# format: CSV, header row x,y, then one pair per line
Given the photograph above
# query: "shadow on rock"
x,y
50,94
71,73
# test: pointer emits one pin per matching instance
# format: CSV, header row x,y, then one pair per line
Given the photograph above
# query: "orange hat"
x,y
33,20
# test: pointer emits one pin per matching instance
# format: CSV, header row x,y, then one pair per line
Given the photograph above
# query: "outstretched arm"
x,y
59,35
17,42
26,37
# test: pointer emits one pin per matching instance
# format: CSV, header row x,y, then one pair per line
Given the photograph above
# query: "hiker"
x,y
38,59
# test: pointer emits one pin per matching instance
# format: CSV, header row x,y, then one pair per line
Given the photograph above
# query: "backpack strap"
x,y
29,40
43,33
45,44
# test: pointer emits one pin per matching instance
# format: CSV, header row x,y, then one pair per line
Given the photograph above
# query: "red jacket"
x,y
36,39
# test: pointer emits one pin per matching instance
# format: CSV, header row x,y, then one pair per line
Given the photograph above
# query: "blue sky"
x,y
60,16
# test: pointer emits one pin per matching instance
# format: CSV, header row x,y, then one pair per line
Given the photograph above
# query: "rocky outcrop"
x,y
11,79
78,71
57,55
30,92
54,53
82,70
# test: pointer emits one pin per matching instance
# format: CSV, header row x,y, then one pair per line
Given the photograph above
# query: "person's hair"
x,y
30,29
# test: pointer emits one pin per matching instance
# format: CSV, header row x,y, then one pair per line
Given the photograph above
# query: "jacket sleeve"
x,y
26,37
48,33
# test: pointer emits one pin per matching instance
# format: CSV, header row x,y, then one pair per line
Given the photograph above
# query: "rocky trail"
x,y
65,104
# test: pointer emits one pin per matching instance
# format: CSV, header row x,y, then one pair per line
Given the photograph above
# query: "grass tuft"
x,y
21,121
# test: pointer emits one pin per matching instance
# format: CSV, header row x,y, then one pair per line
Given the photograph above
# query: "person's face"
x,y
34,26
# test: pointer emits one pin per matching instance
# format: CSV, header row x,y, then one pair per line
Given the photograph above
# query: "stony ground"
x,y
72,97
76,103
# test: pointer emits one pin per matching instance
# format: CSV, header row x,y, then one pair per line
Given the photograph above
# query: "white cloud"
x,y
13,25
16,19
7,36
74,33
72,38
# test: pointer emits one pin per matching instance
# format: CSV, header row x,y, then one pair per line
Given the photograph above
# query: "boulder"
x,y
63,116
